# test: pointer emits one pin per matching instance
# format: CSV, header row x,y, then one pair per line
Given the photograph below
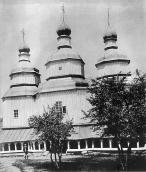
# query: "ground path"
x,y
6,165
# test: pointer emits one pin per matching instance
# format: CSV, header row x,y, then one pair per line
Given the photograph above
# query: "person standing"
x,y
25,150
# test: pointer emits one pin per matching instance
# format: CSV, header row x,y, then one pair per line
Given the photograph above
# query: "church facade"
x,y
65,86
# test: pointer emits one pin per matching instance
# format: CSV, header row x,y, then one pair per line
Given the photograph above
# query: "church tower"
x,y
65,83
19,100
65,63
112,63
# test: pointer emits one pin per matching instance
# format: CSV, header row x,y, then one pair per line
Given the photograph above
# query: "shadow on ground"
x,y
82,163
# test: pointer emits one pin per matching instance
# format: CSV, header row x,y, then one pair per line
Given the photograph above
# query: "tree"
x,y
52,127
120,108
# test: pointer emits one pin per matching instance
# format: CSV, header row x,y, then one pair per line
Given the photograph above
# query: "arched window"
x,y
82,144
134,143
31,145
106,143
42,145
97,143
0,147
73,144
36,146
6,147
12,146
124,143
89,142
18,145
141,142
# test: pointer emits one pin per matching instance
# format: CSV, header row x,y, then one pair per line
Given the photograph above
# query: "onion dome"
x,y
110,35
63,29
24,48
112,63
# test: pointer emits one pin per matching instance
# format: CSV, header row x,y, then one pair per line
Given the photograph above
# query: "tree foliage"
x,y
120,107
52,127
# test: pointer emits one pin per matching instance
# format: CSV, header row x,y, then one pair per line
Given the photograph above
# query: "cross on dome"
x,y
110,34
108,20
63,28
24,47
63,12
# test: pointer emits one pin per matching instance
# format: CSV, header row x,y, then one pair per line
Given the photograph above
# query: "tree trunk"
x,y
121,156
128,153
56,162
59,156
51,158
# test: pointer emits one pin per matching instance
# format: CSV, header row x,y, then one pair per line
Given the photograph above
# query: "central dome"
x,y
63,29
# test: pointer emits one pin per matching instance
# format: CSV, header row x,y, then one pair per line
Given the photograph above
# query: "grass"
x,y
83,163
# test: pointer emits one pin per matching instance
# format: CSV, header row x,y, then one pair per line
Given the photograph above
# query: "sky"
x,y
88,22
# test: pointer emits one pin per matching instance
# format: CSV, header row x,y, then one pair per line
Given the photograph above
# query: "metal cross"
x,y
108,18
63,11
23,35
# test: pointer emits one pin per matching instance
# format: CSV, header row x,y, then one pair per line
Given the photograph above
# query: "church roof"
x,y
20,91
112,57
85,132
24,69
63,54
27,134
62,84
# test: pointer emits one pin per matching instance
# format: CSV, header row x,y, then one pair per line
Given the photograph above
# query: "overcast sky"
x,y
88,22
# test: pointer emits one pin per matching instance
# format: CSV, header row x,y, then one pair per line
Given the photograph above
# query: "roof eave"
x,y
111,61
64,59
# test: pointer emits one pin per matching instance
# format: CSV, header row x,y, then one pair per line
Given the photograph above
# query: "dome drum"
x,y
111,47
63,36
112,37
24,57
24,70
25,77
112,67
64,41
24,54
65,68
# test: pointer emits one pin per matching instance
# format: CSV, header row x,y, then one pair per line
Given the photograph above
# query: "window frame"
x,y
60,108
16,113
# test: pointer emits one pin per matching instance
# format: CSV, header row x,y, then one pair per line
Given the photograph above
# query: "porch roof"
x,y
17,135
85,132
